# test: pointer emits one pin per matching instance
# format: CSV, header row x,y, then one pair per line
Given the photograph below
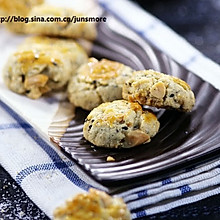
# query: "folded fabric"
x,y
49,178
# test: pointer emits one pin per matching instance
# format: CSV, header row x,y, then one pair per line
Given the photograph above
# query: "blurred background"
x,y
198,21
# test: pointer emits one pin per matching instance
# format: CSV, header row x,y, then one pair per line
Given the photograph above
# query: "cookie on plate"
x,y
70,29
69,49
97,82
120,124
42,64
94,205
152,88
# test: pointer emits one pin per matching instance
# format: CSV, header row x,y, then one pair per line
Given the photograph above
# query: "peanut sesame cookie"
x,y
97,82
42,64
120,124
152,88
94,205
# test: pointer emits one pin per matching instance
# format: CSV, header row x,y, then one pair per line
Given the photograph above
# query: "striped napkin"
x,y
49,178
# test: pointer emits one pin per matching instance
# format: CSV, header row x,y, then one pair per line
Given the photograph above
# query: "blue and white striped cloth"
x,y
49,178
45,174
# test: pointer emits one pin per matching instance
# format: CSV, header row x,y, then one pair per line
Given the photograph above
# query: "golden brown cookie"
x,y
97,82
42,64
120,124
86,30
152,88
94,205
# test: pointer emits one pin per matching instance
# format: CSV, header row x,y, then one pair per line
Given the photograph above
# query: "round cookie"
x,y
94,205
97,82
69,49
120,124
152,88
42,64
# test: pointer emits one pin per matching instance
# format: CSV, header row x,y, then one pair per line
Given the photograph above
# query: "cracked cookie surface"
x,y
120,124
156,89
97,82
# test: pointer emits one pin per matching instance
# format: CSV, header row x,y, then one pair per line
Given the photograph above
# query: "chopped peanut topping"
x,y
158,90
137,137
36,80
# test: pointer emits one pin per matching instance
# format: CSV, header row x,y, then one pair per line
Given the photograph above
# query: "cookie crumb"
x,y
109,159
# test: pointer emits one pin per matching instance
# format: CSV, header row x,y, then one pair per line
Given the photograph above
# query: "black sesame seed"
x,y
54,63
122,140
22,77
125,128
90,126
171,95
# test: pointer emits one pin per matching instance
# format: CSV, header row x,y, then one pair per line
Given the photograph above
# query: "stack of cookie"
x,y
43,64
123,123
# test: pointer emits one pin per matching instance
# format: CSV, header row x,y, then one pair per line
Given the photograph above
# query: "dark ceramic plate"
x,y
183,139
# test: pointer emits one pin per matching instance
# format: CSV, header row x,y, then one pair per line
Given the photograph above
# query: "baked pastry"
x,y
94,205
17,8
69,49
42,64
152,88
97,82
86,30
120,124
21,7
